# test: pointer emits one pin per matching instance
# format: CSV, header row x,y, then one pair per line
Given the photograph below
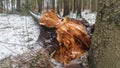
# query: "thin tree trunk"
x,y
93,5
18,5
1,7
7,5
96,3
58,6
66,8
105,48
70,3
12,2
74,4
79,8
53,4
39,5
82,5
90,5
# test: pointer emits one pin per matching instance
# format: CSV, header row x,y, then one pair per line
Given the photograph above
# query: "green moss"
x,y
4,67
40,56
29,39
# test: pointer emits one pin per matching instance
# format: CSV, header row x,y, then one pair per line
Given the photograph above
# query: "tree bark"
x,y
39,5
79,9
18,5
75,5
58,6
53,4
105,47
66,8
1,6
93,5
12,2
82,1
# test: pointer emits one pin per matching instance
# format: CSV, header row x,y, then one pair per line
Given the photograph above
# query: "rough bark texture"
x,y
105,48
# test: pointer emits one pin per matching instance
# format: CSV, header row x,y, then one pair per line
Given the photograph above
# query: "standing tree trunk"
x,y
70,5
105,48
90,5
12,2
53,4
93,5
39,5
58,6
75,5
18,5
1,6
79,9
82,5
66,7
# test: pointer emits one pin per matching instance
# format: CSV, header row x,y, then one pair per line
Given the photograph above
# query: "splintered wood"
x,y
72,36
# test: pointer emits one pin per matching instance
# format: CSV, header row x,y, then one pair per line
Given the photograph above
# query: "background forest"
x,y
19,32
65,6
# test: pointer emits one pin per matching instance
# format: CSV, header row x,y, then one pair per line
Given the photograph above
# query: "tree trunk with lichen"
x,y
105,47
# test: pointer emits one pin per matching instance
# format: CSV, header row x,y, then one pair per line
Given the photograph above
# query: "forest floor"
x,y
18,33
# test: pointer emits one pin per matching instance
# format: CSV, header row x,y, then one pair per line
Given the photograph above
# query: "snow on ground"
x,y
17,32
89,16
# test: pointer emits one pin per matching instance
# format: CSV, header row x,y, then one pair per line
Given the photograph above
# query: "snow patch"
x,y
89,16
17,33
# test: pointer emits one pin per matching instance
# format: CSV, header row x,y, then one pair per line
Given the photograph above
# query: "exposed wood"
x,y
72,36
